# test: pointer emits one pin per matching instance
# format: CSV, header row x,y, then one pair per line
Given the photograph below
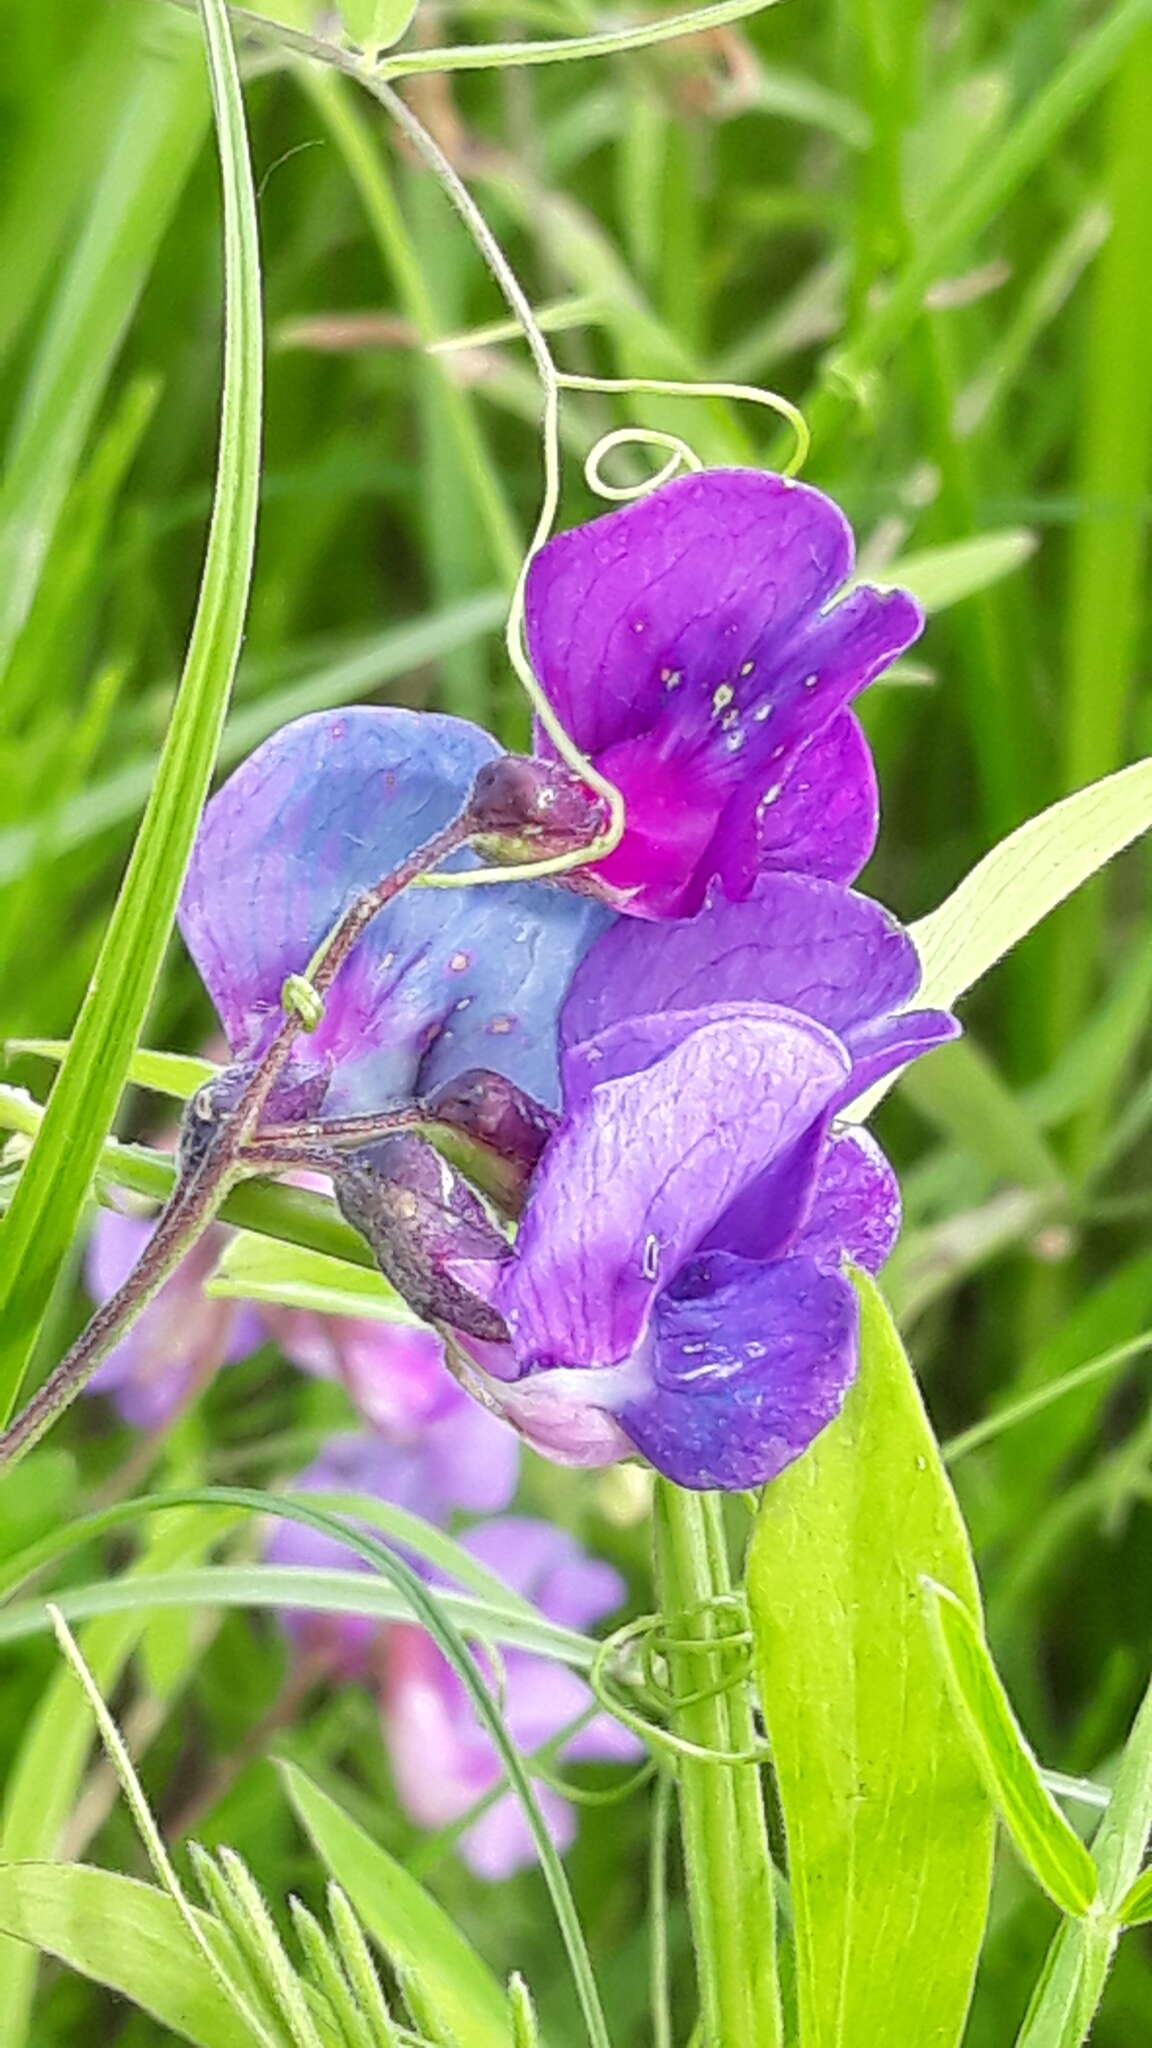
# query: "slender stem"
x,y
341,1130
196,1198
658,1971
183,1220
726,1855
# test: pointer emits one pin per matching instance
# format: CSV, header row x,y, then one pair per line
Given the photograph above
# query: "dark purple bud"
x,y
420,1216
294,1099
490,1111
524,809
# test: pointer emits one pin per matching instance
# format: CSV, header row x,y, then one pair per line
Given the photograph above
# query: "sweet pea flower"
x,y
432,1451
441,981
696,647
182,1337
443,1761
677,1285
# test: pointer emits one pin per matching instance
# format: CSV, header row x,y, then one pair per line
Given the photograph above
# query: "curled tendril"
x,y
298,998
588,1795
681,457
554,382
620,1694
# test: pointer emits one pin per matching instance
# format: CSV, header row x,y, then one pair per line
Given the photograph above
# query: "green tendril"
x,y
648,1638
298,998
554,382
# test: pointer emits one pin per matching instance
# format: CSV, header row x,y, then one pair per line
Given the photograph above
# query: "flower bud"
x,y
420,1217
524,809
489,1111
296,1097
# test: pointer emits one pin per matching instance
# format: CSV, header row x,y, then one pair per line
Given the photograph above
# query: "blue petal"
x,y
442,980
749,1367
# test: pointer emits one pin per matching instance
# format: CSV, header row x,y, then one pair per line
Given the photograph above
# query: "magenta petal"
x,y
855,1212
749,1369
634,1181
803,944
695,647
687,583
819,818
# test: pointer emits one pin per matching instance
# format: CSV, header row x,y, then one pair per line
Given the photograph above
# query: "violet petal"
x,y
637,1178
749,1369
855,1211
803,944
685,583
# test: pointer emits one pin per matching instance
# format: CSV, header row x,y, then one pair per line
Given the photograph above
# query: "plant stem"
x,y
725,1843
198,1196
184,1219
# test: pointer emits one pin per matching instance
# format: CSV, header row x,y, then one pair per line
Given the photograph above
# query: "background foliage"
x,y
929,225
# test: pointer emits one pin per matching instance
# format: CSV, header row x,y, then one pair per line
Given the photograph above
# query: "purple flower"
x,y
442,980
181,1338
693,646
677,1285
432,1449
443,1760
441,1453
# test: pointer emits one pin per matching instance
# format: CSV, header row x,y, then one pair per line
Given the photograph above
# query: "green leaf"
x,y
939,577
288,1587
376,24
888,1828
46,1769
1043,1839
1076,1969
42,1219
1012,890
152,141
256,1268
414,1932
165,1073
1136,1905
1015,886
127,1936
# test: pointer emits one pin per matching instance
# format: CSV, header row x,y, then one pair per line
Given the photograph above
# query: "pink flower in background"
x,y
181,1339
443,1760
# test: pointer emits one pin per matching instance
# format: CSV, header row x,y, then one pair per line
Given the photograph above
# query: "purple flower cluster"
x,y
656,1057
429,1449
685,1026
443,1761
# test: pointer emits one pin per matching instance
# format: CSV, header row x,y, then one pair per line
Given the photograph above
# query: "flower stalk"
x,y
727,1861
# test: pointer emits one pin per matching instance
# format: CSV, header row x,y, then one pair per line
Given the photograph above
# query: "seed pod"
x,y
420,1216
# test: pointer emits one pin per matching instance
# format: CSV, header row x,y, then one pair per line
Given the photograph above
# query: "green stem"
x,y
725,1842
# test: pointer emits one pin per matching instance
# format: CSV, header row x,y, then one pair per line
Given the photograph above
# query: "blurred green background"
x,y
930,225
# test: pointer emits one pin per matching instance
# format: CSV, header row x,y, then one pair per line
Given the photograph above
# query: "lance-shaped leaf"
x,y
414,1931
889,1832
1053,1853
125,1935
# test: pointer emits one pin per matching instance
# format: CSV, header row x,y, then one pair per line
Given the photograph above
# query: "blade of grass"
x,y
156,136
47,1202
1106,604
